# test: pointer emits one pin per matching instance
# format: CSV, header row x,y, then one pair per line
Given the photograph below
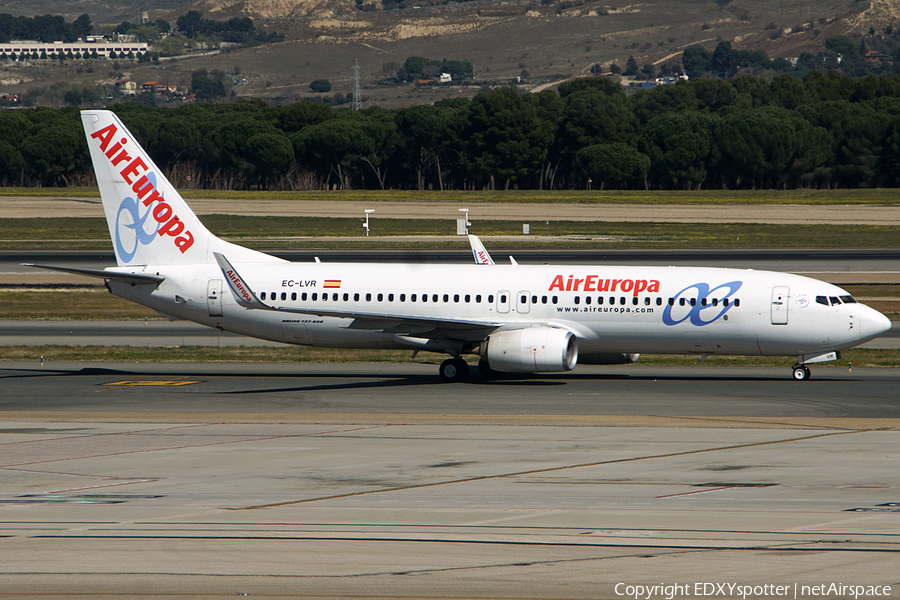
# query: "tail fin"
x,y
149,222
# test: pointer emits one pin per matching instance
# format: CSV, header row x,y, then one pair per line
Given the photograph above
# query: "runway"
x,y
372,481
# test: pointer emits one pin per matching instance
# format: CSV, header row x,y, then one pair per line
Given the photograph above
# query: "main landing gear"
x,y
454,369
801,372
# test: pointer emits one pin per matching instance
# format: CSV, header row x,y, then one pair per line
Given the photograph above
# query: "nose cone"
x,y
873,324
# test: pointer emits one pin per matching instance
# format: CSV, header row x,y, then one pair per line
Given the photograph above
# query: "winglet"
x,y
242,292
481,254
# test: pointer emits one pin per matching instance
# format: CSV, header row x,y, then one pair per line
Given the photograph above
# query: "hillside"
x,y
504,40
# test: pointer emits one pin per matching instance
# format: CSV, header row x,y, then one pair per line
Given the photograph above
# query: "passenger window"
x,y
715,302
503,298
599,299
356,297
634,301
390,297
672,302
434,298
368,297
622,300
334,296
478,298
468,298
737,302
647,301
587,299
346,297
315,296
693,302
424,297
577,299
402,297
303,296
293,296
262,296
659,301
534,299
456,297
543,299
381,297
555,299
703,302
412,298
490,298
446,298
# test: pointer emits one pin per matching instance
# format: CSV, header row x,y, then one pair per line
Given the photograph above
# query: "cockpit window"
x,y
822,300
848,300
834,300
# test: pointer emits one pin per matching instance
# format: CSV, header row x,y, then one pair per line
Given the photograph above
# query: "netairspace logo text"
x,y
737,590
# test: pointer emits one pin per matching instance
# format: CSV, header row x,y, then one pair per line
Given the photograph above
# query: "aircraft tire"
x,y
454,369
801,373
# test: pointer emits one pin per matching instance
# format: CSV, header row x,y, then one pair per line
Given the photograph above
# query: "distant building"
x,y
445,78
878,57
29,50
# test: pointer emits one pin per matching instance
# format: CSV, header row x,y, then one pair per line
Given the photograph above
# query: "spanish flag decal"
x,y
332,283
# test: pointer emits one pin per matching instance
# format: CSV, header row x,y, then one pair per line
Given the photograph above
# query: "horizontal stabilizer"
x,y
118,276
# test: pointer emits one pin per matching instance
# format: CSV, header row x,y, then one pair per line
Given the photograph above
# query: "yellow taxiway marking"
x,y
140,383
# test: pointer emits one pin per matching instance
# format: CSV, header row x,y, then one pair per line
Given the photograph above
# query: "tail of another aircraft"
x,y
149,222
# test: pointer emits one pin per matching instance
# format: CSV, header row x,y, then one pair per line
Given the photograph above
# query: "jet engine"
x,y
531,350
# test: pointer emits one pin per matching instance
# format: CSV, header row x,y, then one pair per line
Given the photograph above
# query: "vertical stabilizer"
x,y
149,222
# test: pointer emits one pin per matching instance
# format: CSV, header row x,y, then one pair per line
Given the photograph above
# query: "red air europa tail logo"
x,y
135,173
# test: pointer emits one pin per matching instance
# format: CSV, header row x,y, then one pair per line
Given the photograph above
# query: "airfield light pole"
x,y
366,224
465,212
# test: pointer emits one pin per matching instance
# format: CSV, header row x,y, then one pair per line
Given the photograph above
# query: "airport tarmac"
x,y
374,481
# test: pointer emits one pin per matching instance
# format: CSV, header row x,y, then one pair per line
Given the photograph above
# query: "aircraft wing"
x,y
119,276
375,321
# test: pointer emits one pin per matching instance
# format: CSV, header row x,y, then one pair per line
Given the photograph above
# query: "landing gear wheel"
x,y
454,369
801,373
484,368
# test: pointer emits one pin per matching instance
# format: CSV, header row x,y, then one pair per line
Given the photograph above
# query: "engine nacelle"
x,y
531,350
607,358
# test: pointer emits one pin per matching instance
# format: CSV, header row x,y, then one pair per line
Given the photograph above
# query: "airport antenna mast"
x,y
357,101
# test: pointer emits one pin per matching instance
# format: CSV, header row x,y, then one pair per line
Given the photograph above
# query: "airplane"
x,y
515,318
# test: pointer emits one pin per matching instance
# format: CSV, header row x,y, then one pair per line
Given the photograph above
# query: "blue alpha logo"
x,y
131,226
703,306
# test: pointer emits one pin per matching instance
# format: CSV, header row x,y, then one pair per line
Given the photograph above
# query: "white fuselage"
x,y
611,309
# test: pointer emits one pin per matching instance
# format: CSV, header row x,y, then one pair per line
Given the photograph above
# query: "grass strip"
x,y
873,196
268,233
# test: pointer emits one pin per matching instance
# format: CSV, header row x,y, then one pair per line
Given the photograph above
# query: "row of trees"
x,y
46,28
826,130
